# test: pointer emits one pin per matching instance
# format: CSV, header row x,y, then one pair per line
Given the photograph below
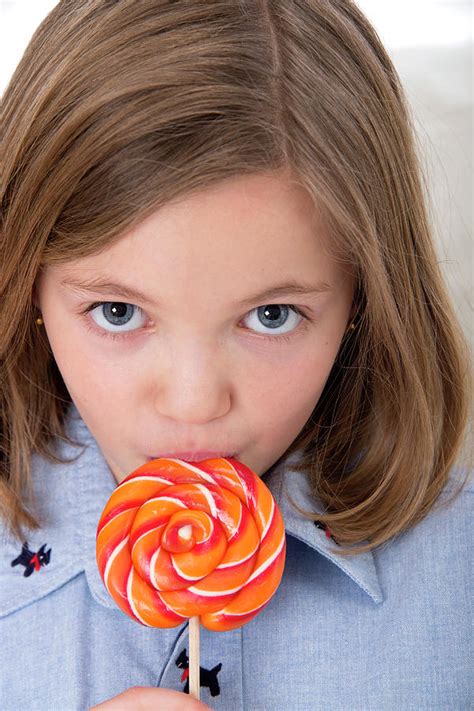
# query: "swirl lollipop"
x,y
202,540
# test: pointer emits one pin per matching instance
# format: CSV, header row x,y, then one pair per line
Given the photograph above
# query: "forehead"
x,y
227,239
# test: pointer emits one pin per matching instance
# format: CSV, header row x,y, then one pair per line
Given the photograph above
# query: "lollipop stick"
x,y
194,681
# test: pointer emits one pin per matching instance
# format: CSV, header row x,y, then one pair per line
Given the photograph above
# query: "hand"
x,y
145,698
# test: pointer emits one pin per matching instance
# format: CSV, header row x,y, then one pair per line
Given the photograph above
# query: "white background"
x,y
431,44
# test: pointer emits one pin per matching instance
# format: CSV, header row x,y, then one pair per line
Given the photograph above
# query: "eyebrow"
x,y
106,288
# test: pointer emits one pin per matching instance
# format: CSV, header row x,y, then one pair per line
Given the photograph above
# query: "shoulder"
x,y
438,549
460,475
455,501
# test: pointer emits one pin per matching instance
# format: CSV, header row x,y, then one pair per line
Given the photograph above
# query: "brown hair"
x,y
120,106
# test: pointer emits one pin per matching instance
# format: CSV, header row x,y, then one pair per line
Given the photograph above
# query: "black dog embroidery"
x,y
326,530
32,561
207,677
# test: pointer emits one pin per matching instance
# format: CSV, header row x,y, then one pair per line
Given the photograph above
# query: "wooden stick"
x,y
194,680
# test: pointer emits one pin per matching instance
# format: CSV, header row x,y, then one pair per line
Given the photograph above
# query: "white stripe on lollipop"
x,y
158,498
191,578
130,599
209,498
152,569
270,519
241,560
188,465
162,525
242,614
132,605
151,530
266,564
243,484
216,593
259,571
238,524
211,530
145,478
111,559
114,518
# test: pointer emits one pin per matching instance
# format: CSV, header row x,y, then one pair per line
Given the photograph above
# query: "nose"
x,y
194,388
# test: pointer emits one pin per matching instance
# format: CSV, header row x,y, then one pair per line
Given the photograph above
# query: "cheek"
x,y
282,397
287,386
93,377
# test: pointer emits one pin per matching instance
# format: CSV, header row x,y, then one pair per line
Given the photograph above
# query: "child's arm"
x,y
149,699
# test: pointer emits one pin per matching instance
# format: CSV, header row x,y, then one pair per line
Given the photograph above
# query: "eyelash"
x,y
117,336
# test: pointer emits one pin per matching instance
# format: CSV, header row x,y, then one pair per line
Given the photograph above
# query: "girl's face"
x,y
193,332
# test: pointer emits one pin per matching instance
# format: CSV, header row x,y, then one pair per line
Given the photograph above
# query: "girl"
x,y
214,242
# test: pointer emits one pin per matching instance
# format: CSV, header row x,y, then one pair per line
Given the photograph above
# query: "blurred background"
x,y
431,45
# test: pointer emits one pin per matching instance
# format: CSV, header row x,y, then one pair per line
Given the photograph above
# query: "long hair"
x,y
118,107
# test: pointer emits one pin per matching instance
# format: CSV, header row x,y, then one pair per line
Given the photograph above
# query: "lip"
x,y
196,456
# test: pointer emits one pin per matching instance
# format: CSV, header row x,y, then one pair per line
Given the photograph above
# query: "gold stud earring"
x,y
39,321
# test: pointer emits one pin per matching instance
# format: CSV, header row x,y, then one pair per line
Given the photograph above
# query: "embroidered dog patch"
x,y
207,677
31,560
324,527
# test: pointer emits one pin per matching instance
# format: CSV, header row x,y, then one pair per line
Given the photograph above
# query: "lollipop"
x,y
202,540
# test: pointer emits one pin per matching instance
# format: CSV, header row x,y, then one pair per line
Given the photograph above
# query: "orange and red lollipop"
x,y
179,539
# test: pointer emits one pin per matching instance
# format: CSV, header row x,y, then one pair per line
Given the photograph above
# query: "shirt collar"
x,y
71,498
284,482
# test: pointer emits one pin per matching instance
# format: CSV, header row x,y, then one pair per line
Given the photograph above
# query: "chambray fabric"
x,y
389,629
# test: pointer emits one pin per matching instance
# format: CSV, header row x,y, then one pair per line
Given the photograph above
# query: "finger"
x,y
142,698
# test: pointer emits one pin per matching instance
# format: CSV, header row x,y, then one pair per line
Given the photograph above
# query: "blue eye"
x,y
116,314
275,316
116,319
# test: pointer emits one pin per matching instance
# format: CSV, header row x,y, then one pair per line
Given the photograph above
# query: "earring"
x,y
39,321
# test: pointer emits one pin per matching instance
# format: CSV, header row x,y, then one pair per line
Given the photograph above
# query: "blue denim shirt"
x,y
388,629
